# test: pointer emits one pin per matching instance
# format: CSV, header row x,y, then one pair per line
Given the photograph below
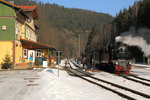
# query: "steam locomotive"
x,y
115,59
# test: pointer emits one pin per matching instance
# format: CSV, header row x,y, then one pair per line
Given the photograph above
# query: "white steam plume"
x,y
135,41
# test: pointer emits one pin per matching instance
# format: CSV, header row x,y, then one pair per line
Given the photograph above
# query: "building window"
x,y
27,33
38,53
25,53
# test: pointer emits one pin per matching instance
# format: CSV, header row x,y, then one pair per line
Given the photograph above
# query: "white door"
x,y
31,52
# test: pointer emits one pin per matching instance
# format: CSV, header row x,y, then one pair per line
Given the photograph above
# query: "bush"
x,y
6,62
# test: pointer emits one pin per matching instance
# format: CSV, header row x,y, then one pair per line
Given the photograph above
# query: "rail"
x,y
115,85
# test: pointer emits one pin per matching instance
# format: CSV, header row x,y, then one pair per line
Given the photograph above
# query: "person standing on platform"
x,y
84,61
30,60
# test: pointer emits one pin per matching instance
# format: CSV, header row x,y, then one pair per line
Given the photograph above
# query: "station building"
x,y
18,33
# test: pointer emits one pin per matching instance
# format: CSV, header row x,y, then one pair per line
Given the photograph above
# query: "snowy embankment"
x,y
66,87
45,84
142,70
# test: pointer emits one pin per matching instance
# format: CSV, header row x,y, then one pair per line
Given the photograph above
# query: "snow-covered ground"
x,y
142,71
45,84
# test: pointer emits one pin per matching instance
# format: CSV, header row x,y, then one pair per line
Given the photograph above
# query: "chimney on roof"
x,y
13,2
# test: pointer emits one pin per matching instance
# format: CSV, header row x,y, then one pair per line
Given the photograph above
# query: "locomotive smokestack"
x,y
118,39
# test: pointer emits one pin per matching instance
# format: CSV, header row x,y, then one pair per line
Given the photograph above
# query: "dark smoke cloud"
x,y
140,38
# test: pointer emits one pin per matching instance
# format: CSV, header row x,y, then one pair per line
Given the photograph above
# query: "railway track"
x,y
128,76
144,79
135,79
112,84
75,65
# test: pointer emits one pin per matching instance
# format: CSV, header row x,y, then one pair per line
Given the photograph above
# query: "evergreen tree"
x,y
144,14
6,62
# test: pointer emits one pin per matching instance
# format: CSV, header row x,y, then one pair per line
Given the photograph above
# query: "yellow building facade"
x,y
18,34
6,47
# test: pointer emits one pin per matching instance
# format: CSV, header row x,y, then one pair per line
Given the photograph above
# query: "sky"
x,y
111,7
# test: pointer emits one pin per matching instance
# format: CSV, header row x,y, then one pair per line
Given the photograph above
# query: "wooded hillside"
x,y
133,20
61,26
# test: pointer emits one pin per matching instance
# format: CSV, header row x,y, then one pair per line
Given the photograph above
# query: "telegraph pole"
x,y
79,35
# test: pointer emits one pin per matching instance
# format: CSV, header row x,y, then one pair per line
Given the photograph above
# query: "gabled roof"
x,y
35,45
32,9
28,8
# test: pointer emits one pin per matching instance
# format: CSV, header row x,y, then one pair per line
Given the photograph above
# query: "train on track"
x,y
115,59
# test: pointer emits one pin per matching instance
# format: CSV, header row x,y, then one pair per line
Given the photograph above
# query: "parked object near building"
x,y
51,60
18,33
